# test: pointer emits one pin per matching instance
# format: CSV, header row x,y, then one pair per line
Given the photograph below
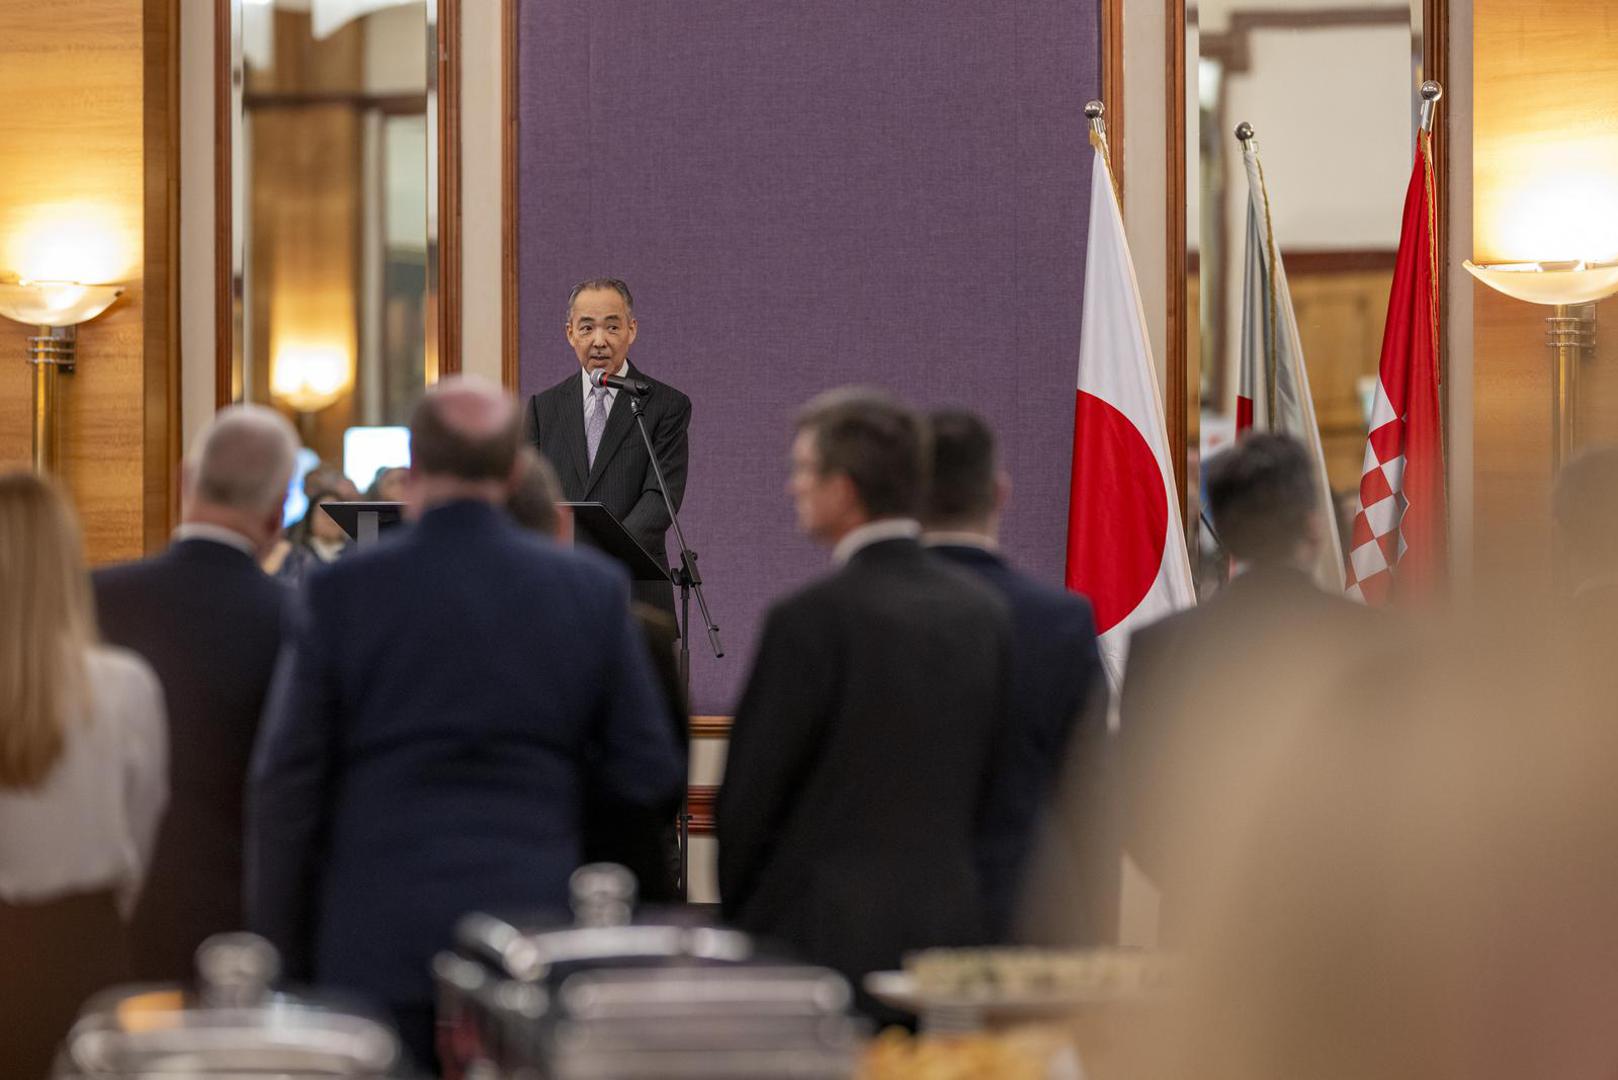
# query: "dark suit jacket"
x,y
208,620
445,699
622,479
861,759
643,838
1057,686
1207,688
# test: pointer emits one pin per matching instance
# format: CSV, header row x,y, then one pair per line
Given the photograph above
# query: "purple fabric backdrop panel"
x,y
808,194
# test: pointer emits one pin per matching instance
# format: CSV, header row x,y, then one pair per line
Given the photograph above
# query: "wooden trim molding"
x,y
1177,361
1435,65
710,727
224,360
449,187
160,131
1112,85
699,802
510,357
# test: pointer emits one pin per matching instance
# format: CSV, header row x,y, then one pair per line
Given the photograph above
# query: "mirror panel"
x,y
334,158
1330,91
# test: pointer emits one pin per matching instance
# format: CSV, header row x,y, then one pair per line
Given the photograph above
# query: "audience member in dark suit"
x,y
1059,694
1211,690
641,838
589,434
861,758
208,620
446,698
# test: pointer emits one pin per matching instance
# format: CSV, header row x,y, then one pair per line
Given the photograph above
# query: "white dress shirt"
x,y
612,394
92,824
949,538
201,530
874,532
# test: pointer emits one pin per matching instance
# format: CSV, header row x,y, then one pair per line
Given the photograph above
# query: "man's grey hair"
x,y
615,284
243,459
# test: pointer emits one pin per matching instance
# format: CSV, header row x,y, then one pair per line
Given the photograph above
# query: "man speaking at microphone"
x,y
588,432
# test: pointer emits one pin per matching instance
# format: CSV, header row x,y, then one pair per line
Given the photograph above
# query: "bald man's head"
x,y
465,428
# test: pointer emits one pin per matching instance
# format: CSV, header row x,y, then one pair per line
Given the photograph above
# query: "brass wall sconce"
x,y
1569,288
56,308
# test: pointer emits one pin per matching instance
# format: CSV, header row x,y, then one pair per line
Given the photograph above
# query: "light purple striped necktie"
x,y
596,423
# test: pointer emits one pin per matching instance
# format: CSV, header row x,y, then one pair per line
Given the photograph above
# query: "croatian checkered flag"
x,y
1399,544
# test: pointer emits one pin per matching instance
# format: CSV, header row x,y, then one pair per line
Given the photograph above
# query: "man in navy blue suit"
x,y
1057,714
446,698
209,622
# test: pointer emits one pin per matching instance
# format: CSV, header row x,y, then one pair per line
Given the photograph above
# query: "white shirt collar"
x,y
874,532
218,534
951,538
612,395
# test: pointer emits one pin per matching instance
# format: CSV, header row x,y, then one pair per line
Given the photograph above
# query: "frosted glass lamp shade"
x,y
1549,283
55,303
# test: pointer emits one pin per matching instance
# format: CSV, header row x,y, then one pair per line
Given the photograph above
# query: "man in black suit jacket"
x,y
445,701
208,620
862,754
600,456
1057,716
1211,692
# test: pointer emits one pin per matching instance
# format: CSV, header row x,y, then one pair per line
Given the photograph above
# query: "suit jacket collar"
x,y
1267,583
206,549
619,423
968,554
901,549
458,516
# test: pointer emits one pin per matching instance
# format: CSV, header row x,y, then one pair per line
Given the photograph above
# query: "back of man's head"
x,y
877,442
242,461
1586,507
465,428
964,489
1261,496
536,493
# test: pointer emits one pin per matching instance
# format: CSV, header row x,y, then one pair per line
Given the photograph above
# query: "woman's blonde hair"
x,y
47,622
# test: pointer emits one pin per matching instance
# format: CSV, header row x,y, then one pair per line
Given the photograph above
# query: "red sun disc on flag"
x,y
1119,516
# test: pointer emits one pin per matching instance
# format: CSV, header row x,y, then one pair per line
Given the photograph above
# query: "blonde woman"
x,y
83,778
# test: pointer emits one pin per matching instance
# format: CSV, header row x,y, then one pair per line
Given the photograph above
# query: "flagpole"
x,y
1095,112
1244,135
1432,92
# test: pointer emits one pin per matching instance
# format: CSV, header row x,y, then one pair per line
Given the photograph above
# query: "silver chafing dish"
x,y
234,1026
660,996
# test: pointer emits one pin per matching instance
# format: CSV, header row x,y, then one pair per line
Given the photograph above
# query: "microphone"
x,y
637,387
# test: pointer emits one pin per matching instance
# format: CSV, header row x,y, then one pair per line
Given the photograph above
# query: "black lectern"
x,y
594,524
363,521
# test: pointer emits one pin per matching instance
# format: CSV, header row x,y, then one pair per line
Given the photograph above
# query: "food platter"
x,y
962,989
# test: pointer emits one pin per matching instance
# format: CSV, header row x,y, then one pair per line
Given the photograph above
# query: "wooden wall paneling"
x,y
72,138
1112,85
1181,384
226,388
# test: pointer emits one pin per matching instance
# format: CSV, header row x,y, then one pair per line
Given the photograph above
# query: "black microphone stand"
x,y
689,581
